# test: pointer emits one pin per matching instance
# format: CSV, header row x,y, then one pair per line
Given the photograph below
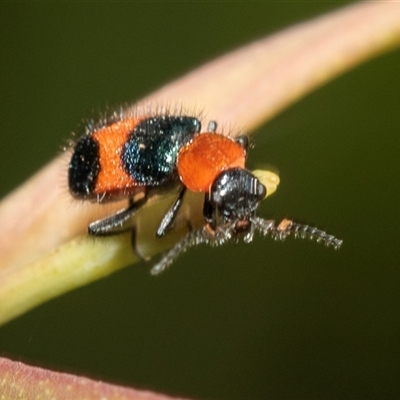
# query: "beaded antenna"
x,y
227,233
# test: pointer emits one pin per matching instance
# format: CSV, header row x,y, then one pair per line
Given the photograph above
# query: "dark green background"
x,y
260,321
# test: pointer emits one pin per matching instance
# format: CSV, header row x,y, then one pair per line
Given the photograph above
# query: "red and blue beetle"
x,y
151,154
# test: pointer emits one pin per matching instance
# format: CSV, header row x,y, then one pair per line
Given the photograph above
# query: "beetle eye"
x,y
262,190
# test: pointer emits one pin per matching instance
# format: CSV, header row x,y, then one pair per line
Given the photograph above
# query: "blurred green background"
x,y
269,320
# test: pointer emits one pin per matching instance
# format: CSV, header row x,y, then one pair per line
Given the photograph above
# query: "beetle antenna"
x,y
193,238
226,233
287,227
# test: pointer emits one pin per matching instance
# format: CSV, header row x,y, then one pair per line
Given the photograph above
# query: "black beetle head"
x,y
233,199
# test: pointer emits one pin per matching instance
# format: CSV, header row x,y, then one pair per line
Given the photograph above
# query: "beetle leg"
x,y
169,217
115,223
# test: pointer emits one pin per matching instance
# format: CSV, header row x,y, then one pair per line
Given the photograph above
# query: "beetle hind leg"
x,y
115,223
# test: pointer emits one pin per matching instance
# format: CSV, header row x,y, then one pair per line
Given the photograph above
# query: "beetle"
x,y
150,154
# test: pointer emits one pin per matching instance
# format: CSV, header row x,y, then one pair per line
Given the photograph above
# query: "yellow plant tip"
x,y
269,179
